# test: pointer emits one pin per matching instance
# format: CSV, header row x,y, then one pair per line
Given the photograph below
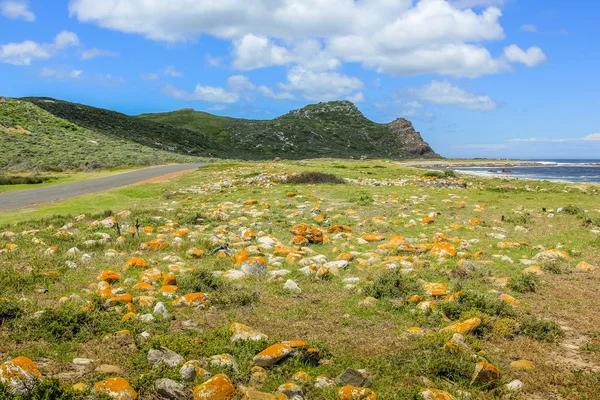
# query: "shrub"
x,y
8,310
53,389
393,285
433,174
573,210
469,301
545,331
314,178
523,283
24,180
200,281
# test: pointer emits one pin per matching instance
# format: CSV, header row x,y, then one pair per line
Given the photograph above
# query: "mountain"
x,y
45,134
33,139
333,129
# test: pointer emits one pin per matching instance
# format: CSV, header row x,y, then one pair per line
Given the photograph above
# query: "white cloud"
x,y
481,146
590,137
172,71
95,52
203,93
214,61
17,9
532,57
240,83
396,37
68,73
268,92
149,76
529,28
357,98
593,136
26,52
444,93
321,86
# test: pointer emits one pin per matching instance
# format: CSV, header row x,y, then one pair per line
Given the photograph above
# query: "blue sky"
x,y
478,78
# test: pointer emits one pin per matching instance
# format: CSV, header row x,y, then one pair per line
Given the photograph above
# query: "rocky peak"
x,y
327,110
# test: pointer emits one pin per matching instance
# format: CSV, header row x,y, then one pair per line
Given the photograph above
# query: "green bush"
x,y
200,281
9,310
393,284
470,301
314,178
523,283
545,331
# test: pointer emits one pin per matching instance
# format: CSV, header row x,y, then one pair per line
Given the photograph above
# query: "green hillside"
x,y
32,139
334,129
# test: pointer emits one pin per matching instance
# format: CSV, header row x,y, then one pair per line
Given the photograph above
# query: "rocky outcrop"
x,y
411,140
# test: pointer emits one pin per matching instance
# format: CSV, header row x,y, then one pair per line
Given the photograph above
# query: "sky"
x,y
478,78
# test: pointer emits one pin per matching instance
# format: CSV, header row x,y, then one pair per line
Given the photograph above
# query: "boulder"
x,y
352,377
164,356
219,387
169,389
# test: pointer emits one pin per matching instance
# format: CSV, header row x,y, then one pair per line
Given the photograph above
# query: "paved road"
x,y
23,198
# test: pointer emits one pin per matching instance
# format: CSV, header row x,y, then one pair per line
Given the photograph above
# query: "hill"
x,y
32,139
333,129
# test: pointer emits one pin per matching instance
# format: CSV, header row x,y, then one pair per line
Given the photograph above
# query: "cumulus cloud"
x,y
17,9
95,52
271,94
321,86
444,93
26,52
202,93
396,37
68,73
240,83
529,28
531,57
172,71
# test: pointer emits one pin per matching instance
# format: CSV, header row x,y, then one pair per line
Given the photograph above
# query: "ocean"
x,y
580,171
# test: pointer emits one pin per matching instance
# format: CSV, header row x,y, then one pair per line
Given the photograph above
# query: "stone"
x,y
367,302
352,377
244,332
584,267
160,309
116,388
291,286
169,389
322,382
514,385
194,300
252,394
20,375
219,387
82,361
435,394
523,365
108,369
258,376
356,393
464,327
272,355
485,373
192,369
291,390
256,266
166,356
224,360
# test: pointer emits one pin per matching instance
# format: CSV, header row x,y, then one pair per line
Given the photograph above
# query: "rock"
x,y
340,264
584,267
20,375
464,326
108,369
258,376
292,286
367,302
523,365
160,309
435,394
552,255
533,270
166,356
514,385
252,394
356,393
485,373
291,390
169,389
147,318
116,388
224,360
82,361
352,377
219,387
301,377
272,355
244,332
80,387
322,382
194,300
192,369
256,266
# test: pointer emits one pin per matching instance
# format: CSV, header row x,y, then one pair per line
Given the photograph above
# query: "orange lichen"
x,y
219,387
463,326
116,388
356,393
443,249
373,237
136,262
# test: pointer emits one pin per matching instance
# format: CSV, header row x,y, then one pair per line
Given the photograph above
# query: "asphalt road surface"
x,y
23,198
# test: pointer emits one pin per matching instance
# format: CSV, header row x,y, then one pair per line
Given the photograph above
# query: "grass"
x,y
379,197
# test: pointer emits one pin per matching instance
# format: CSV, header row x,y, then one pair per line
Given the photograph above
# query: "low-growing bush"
x,y
469,302
545,331
393,284
9,310
200,281
313,178
523,283
24,180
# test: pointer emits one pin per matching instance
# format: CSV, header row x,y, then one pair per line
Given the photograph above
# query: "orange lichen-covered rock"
x,y
219,387
244,332
104,290
151,275
116,388
195,253
250,202
356,393
534,270
434,289
345,257
485,373
143,286
435,394
300,240
169,279
340,228
272,355
552,255
197,300
240,258
509,299
463,326
281,250
20,375
373,237
109,276
443,249
295,344
136,262
253,394
508,245
427,220
584,267
312,234
156,244
301,376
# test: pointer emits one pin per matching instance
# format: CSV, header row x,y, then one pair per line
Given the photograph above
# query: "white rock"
x,y
82,361
514,385
160,308
341,264
292,286
147,318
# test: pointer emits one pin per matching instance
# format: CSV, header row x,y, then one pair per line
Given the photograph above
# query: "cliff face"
x,y
411,139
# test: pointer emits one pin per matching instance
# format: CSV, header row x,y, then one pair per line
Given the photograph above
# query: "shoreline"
x,y
473,164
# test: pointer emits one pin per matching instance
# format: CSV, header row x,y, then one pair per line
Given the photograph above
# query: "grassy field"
x,y
424,252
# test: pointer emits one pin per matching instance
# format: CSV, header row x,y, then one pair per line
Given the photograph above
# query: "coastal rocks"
x,y
164,356
219,387
116,388
272,355
20,375
194,300
192,369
